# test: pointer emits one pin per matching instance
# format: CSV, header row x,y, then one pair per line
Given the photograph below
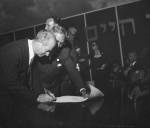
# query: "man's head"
x,y
72,31
51,22
132,56
95,46
44,43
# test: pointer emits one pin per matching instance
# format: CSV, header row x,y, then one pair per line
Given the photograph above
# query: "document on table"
x,y
70,99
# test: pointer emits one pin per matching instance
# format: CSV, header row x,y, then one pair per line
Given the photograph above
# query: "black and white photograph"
x,y
74,64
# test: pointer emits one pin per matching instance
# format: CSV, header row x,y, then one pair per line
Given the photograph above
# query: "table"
x,y
62,115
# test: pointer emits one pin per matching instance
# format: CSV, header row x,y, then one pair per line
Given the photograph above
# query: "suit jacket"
x,y
14,62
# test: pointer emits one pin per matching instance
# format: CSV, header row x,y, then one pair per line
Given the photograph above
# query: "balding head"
x,y
44,43
44,35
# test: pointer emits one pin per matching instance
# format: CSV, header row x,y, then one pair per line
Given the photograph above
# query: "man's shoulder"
x,y
13,46
64,53
14,43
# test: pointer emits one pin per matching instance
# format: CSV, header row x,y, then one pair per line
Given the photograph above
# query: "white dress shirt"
x,y
31,53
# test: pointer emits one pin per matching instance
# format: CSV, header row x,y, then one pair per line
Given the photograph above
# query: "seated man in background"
x,y
50,73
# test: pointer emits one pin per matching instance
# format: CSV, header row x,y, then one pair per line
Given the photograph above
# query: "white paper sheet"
x,y
69,99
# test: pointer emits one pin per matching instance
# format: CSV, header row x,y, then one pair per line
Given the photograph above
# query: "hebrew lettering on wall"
x,y
92,31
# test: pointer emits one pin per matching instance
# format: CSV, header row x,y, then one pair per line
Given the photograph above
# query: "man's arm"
x,y
70,66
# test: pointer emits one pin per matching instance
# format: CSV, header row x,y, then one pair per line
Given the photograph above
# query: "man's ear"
x,y
38,45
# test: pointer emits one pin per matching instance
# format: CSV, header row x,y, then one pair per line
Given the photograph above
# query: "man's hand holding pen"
x,y
48,96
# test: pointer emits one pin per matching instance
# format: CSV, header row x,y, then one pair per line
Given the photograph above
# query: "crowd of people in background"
x,y
129,85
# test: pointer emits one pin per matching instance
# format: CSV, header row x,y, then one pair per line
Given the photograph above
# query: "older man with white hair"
x,y
16,94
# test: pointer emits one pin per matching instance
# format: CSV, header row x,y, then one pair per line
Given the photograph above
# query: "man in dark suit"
x,y
17,97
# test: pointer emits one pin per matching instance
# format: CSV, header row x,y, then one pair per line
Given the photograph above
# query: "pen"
x,y
49,93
